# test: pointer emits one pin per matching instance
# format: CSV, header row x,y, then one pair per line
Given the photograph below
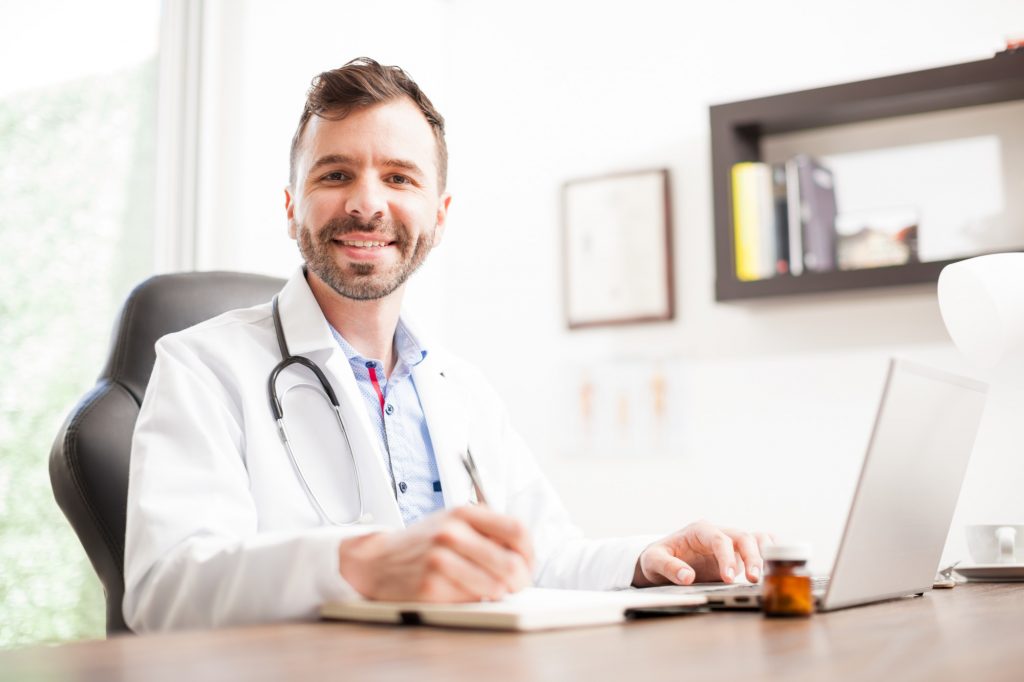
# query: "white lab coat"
x,y
219,528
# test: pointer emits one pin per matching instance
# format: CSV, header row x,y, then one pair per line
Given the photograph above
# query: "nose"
x,y
365,200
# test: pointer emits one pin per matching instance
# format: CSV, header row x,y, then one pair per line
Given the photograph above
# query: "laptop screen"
x,y
909,485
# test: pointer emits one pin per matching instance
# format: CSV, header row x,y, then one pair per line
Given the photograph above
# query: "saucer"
x,y
992,573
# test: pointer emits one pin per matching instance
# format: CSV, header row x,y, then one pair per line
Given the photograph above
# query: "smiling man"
x,y
236,517
362,235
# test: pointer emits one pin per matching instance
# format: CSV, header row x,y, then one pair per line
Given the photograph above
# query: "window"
x,y
77,146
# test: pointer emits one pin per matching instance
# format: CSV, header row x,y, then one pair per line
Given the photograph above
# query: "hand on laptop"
x,y
701,552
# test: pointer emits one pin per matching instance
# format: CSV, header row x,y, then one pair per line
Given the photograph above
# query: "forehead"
x,y
391,130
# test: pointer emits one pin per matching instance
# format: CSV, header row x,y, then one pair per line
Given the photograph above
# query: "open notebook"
x,y
531,609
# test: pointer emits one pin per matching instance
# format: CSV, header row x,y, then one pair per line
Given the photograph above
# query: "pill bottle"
x,y
787,584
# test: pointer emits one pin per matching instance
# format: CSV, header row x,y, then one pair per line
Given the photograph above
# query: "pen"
x,y
474,476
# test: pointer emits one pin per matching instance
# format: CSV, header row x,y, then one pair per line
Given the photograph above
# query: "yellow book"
x,y
746,226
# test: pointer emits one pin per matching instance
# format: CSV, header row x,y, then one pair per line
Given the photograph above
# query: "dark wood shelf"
x,y
737,129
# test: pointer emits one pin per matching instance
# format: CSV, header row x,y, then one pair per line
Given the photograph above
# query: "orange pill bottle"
x,y
787,583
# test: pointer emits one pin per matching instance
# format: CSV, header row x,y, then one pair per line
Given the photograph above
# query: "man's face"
x,y
365,208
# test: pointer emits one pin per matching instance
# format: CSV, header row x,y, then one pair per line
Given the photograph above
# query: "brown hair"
x,y
362,83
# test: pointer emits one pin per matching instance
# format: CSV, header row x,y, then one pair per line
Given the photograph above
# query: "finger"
x,y
741,568
749,553
501,563
722,548
658,561
469,578
503,529
438,587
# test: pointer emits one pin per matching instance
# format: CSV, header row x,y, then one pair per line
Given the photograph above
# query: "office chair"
x,y
89,459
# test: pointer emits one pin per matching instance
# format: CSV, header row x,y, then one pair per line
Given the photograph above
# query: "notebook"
x,y
531,609
909,484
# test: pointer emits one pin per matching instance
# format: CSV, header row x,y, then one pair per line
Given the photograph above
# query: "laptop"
x,y
909,484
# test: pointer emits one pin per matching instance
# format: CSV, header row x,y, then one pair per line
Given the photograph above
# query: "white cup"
x,y
996,543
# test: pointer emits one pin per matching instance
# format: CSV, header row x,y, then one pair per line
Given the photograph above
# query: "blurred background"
x,y
139,136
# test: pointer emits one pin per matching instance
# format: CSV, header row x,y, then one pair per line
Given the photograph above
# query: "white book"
x,y
762,181
531,609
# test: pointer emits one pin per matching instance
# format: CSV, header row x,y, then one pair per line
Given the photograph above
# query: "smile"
x,y
364,245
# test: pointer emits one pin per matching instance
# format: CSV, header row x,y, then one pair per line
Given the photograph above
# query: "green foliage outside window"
x,y
76,191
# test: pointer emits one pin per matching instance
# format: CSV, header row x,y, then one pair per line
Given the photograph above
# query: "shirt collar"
x,y
410,351
303,322
307,330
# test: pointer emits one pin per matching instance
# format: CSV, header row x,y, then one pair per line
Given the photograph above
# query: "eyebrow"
x,y
329,160
404,165
335,159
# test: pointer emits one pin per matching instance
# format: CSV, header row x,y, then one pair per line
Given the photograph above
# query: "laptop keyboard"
x,y
818,584
717,593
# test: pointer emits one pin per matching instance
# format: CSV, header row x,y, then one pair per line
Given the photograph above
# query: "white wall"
x,y
771,401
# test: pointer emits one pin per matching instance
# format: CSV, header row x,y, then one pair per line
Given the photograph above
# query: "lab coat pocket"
x,y
322,455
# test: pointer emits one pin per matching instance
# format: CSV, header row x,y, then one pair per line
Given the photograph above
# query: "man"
x,y
228,524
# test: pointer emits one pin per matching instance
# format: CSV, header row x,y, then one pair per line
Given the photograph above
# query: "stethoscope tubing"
x,y
277,410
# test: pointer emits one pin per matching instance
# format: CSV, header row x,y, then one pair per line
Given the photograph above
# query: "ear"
x,y
289,209
442,217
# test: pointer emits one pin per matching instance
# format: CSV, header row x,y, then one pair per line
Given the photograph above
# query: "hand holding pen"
x,y
464,554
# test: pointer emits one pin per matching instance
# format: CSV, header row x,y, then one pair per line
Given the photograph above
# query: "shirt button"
x,y
402,486
390,409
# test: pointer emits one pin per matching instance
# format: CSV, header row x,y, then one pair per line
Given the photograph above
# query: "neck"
x,y
369,326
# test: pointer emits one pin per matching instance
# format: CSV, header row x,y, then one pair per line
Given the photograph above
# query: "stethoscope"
x,y
287,360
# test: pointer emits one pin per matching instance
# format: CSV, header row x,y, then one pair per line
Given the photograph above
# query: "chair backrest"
x,y
89,459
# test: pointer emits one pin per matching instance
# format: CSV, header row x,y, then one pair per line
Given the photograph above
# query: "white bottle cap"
x,y
791,552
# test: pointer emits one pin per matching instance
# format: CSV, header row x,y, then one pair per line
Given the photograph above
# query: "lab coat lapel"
x,y
307,333
448,425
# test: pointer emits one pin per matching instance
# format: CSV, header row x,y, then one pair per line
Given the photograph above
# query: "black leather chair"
x,y
89,459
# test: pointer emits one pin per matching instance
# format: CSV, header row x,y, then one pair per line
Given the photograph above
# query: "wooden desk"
x,y
974,632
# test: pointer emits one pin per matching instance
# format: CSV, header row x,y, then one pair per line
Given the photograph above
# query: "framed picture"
x,y
618,249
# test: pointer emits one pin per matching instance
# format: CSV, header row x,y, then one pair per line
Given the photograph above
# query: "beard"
x,y
362,281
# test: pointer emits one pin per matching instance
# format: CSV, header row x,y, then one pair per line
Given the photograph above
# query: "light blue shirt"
x,y
401,424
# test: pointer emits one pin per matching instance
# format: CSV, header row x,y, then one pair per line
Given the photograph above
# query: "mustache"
x,y
339,227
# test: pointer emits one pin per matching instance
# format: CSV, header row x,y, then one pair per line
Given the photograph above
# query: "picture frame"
x,y
617,241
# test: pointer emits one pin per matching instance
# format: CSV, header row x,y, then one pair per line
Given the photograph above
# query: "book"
x,y
753,221
780,218
817,214
531,609
767,239
746,235
793,222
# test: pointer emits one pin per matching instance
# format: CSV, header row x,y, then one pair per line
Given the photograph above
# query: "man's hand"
x,y
467,554
701,552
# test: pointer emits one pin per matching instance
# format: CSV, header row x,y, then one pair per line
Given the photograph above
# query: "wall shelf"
x,y
737,130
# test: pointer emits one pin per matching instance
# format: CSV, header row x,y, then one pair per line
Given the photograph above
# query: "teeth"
x,y
364,245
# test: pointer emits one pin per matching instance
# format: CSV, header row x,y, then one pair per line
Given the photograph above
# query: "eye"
x,y
335,176
398,179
